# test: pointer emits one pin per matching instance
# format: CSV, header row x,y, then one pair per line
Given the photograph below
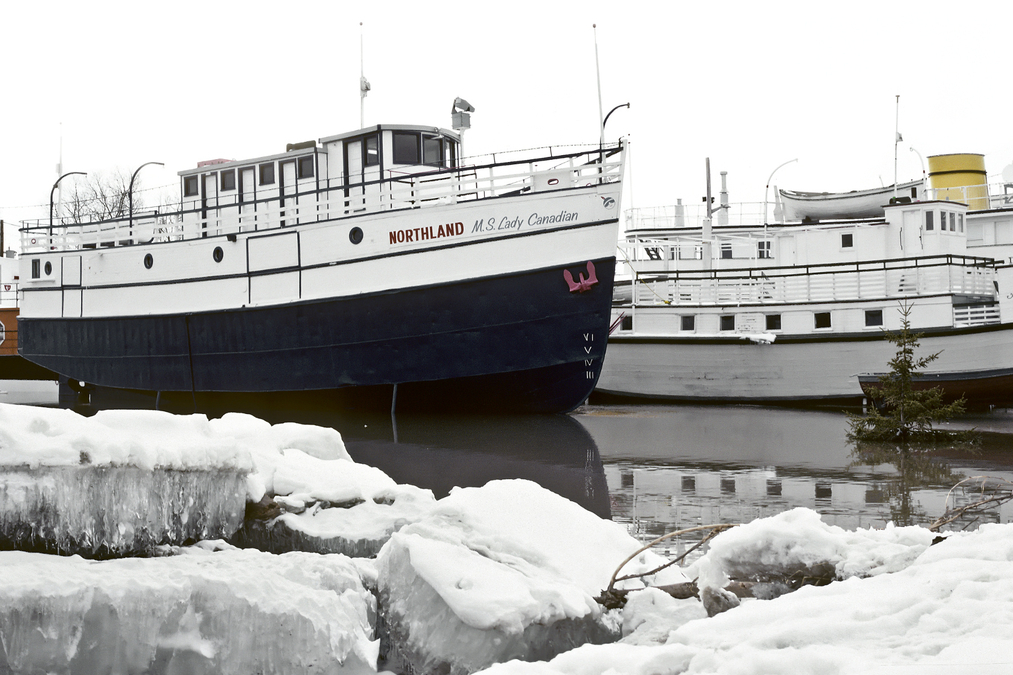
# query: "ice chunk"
x,y
225,612
651,614
797,545
107,511
506,571
356,528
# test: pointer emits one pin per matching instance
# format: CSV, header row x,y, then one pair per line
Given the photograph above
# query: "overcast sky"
x,y
749,84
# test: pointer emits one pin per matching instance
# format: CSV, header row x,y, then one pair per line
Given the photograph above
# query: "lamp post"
x,y
765,189
924,186
130,193
72,173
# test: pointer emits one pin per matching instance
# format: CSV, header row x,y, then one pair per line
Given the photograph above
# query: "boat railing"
x,y
881,279
9,294
395,190
680,215
975,315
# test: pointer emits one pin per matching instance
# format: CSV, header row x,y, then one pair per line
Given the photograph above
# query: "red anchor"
x,y
584,284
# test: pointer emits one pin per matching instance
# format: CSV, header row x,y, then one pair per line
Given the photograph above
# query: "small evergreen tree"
x,y
907,413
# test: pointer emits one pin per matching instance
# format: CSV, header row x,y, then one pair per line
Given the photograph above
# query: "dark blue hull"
x,y
520,342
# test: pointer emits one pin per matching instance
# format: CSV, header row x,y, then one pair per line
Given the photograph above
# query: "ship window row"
x,y
305,168
822,321
412,147
955,221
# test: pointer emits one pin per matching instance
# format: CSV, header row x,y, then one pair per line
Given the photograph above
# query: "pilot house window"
x,y
928,221
372,150
267,174
229,179
406,147
190,186
847,240
306,166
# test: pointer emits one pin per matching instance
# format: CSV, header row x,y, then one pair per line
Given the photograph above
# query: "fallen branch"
x,y
612,598
986,502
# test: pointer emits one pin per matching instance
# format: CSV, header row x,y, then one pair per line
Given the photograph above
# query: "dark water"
x,y
659,468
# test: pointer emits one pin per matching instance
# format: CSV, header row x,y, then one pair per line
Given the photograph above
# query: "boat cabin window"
x,y
627,323
305,166
928,221
773,322
726,251
728,322
873,317
432,150
267,174
821,320
406,147
371,150
688,322
847,240
960,222
953,222
762,250
190,186
228,180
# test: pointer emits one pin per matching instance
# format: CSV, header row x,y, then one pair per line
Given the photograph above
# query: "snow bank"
x,y
225,612
33,437
508,570
946,609
123,481
797,544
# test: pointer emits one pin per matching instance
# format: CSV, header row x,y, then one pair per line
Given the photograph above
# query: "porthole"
x,y
218,254
355,236
49,268
148,261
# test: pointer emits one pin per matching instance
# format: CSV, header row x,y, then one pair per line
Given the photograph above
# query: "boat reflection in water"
x,y
440,452
672,467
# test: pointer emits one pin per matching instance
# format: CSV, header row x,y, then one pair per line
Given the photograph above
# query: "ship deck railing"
x,y
335,200
889,279
991,195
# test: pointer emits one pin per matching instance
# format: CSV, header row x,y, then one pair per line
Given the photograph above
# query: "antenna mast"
x,y
363,83
597,70
896,140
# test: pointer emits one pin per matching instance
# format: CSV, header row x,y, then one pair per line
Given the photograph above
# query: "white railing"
x,y
400,191
9,294
975,315
692,216
884,279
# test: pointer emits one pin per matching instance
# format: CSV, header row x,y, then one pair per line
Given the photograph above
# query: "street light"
x,y
130,192
72,173
765,189
924,186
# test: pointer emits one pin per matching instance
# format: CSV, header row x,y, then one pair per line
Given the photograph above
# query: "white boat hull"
x,y
810,369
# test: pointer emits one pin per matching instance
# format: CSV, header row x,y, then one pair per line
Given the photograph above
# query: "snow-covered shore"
x,y
473,581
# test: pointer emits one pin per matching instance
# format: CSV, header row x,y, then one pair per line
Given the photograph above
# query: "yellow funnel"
x,y
960,178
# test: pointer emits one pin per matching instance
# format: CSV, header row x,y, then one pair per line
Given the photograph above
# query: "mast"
x,y
896,141
597,70
363,84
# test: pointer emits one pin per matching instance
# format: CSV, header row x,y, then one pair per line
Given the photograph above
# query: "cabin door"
x,y
247,200
288,202
209,204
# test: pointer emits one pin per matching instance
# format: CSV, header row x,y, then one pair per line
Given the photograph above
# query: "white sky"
x,y
749,84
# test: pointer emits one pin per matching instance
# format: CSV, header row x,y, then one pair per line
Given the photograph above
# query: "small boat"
x,y
817,206
377,266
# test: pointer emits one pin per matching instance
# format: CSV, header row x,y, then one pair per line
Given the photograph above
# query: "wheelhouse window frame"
x,y
266,174
406,147
191,186
306,166
929,224
227,180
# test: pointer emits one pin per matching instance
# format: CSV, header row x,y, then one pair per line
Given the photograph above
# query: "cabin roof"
x,y
395,127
